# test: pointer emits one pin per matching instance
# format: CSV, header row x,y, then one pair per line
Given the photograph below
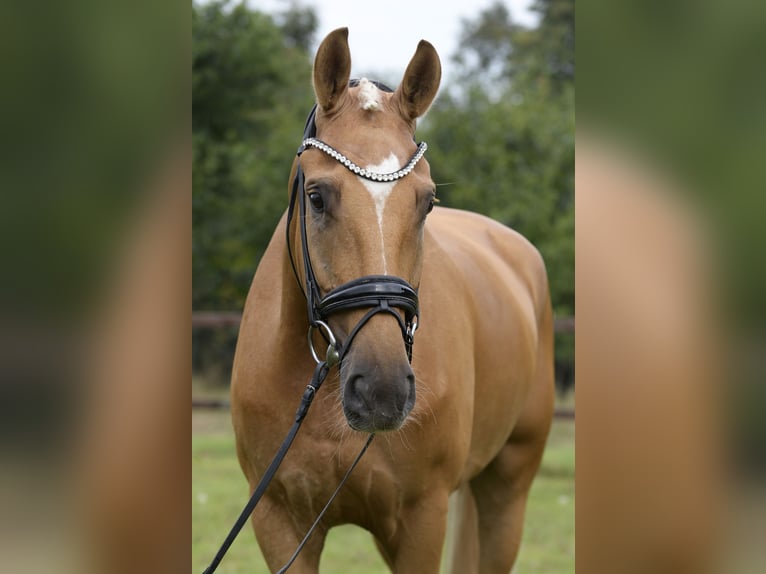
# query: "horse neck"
x,y
293,311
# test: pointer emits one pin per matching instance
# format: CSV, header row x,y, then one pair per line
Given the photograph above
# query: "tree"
x,y
495,49
298,25
250,97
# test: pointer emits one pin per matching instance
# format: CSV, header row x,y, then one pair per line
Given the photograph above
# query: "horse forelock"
x,y
369,95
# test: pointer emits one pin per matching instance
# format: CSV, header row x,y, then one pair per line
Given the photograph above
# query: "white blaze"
x,y
380,190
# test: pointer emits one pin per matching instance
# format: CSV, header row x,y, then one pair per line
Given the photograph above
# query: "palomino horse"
x,y
482,364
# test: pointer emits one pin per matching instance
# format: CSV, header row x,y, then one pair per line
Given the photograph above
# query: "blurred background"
x,y
671,438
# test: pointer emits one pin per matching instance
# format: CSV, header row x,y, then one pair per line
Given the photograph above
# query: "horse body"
x,y
482,366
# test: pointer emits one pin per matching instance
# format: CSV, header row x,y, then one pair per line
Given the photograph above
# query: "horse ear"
x,y
420,83
332,69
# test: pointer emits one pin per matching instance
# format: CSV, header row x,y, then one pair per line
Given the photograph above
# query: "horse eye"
x,y
317,203
430,205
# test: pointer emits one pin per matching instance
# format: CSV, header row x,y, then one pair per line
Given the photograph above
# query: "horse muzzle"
x,y
376,396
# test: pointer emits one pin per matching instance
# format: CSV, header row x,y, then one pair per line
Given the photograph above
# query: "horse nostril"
x,y
408,391
360,392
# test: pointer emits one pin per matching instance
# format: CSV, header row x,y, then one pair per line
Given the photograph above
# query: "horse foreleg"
x,y
501,489
416,547
278,536
501,497
463,534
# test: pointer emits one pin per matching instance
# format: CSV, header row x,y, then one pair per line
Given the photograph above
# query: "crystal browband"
x,y
365,173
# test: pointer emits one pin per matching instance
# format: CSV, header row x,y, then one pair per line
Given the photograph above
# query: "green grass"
x,y
548,545
219,491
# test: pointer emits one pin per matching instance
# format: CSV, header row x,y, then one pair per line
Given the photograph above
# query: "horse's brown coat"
x,y
482,357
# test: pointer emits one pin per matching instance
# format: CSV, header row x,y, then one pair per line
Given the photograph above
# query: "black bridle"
x,y
376,293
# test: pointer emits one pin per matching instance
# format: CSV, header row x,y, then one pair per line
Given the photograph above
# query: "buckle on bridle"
x,y
411,328
332,356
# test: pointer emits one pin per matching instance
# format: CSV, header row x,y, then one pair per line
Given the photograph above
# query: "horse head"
x,y
366,193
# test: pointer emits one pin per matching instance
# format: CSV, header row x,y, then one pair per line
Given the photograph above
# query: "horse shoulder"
x,y
485,249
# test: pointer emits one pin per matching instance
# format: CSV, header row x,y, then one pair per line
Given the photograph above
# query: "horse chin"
x,y
375,422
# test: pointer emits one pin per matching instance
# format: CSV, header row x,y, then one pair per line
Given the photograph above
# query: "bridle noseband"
x,y
378,293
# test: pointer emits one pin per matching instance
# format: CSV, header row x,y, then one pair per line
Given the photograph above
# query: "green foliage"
x,y
251,93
